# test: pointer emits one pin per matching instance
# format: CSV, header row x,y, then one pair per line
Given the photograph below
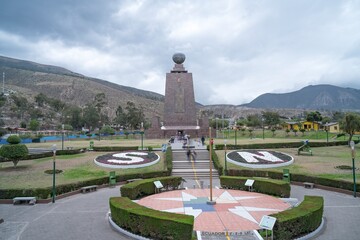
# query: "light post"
x,y
352,145
216,135
99,131
222,124
327,133
62,137
262,121
54,169
142,136
225,158
211,142
235,136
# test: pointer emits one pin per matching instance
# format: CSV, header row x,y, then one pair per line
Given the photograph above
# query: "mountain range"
x,y
318,97
30,79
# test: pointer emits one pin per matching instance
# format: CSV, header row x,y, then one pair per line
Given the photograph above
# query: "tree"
x,y
91,116
21,104
107,130
351,124
41,99
14,151
338,116
302,130
73,117
271,119
120,118
34,125
273,131
57,105
314,116
254,120
134,116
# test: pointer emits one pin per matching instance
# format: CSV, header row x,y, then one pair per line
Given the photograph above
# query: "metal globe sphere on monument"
x,y
179,58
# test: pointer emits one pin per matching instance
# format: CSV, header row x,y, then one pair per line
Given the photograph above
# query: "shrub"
x,y
300,220
168,160
13,139
295,177
113,148
14,151
148,222
146,187
268,186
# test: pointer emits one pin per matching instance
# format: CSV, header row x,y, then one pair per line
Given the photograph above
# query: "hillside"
x,y
320,97
30,79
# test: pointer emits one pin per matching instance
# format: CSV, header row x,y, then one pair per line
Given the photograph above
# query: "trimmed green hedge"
x,y
148,222
216,162
169,160
49,154
146,187
280,145
114,148
44,193
296,178
268,186
300,220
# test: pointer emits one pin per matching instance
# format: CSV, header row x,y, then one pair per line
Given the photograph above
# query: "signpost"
x,y
352,145
249,183
267,223
211,202
54,169
158,186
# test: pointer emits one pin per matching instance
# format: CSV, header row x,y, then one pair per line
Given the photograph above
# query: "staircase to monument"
x,y
190,169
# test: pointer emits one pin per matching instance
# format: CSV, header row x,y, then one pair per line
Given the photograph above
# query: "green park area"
x,y
332,162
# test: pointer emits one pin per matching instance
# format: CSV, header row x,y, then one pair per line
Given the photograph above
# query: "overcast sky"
x,y
236,50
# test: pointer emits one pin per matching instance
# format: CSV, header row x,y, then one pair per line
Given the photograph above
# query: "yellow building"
x,y
332,127
308,126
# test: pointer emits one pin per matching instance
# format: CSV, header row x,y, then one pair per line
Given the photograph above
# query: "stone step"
x,y
191,170
197,176
197,167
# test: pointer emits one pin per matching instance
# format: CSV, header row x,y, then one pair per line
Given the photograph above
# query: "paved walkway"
x,y
83,216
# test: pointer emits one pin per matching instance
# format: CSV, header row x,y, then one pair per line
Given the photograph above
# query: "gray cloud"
x,y
236,50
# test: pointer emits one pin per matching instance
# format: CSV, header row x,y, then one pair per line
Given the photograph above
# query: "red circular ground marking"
x,y
234,211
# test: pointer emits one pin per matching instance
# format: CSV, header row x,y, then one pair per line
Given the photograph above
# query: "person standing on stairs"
x,y
188,154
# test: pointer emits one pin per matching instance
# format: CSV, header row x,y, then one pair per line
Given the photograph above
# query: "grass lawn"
x,y
323,162
30,173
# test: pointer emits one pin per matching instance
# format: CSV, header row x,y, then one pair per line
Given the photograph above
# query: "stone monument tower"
x,y
180,116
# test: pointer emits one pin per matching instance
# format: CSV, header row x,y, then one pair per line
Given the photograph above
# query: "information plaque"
x,y
249,182
267,222
158,184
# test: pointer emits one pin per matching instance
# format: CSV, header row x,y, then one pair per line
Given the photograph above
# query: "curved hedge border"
x,y
114,148
44,193
267,186
300,220
296,178
148,222
49,154
169,160
146,187
216,162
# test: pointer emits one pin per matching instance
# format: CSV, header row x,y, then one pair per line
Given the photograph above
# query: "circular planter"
x,y
259,158
127,159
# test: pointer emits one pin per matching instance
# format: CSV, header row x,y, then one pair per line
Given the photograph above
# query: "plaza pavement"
x,y
84,216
